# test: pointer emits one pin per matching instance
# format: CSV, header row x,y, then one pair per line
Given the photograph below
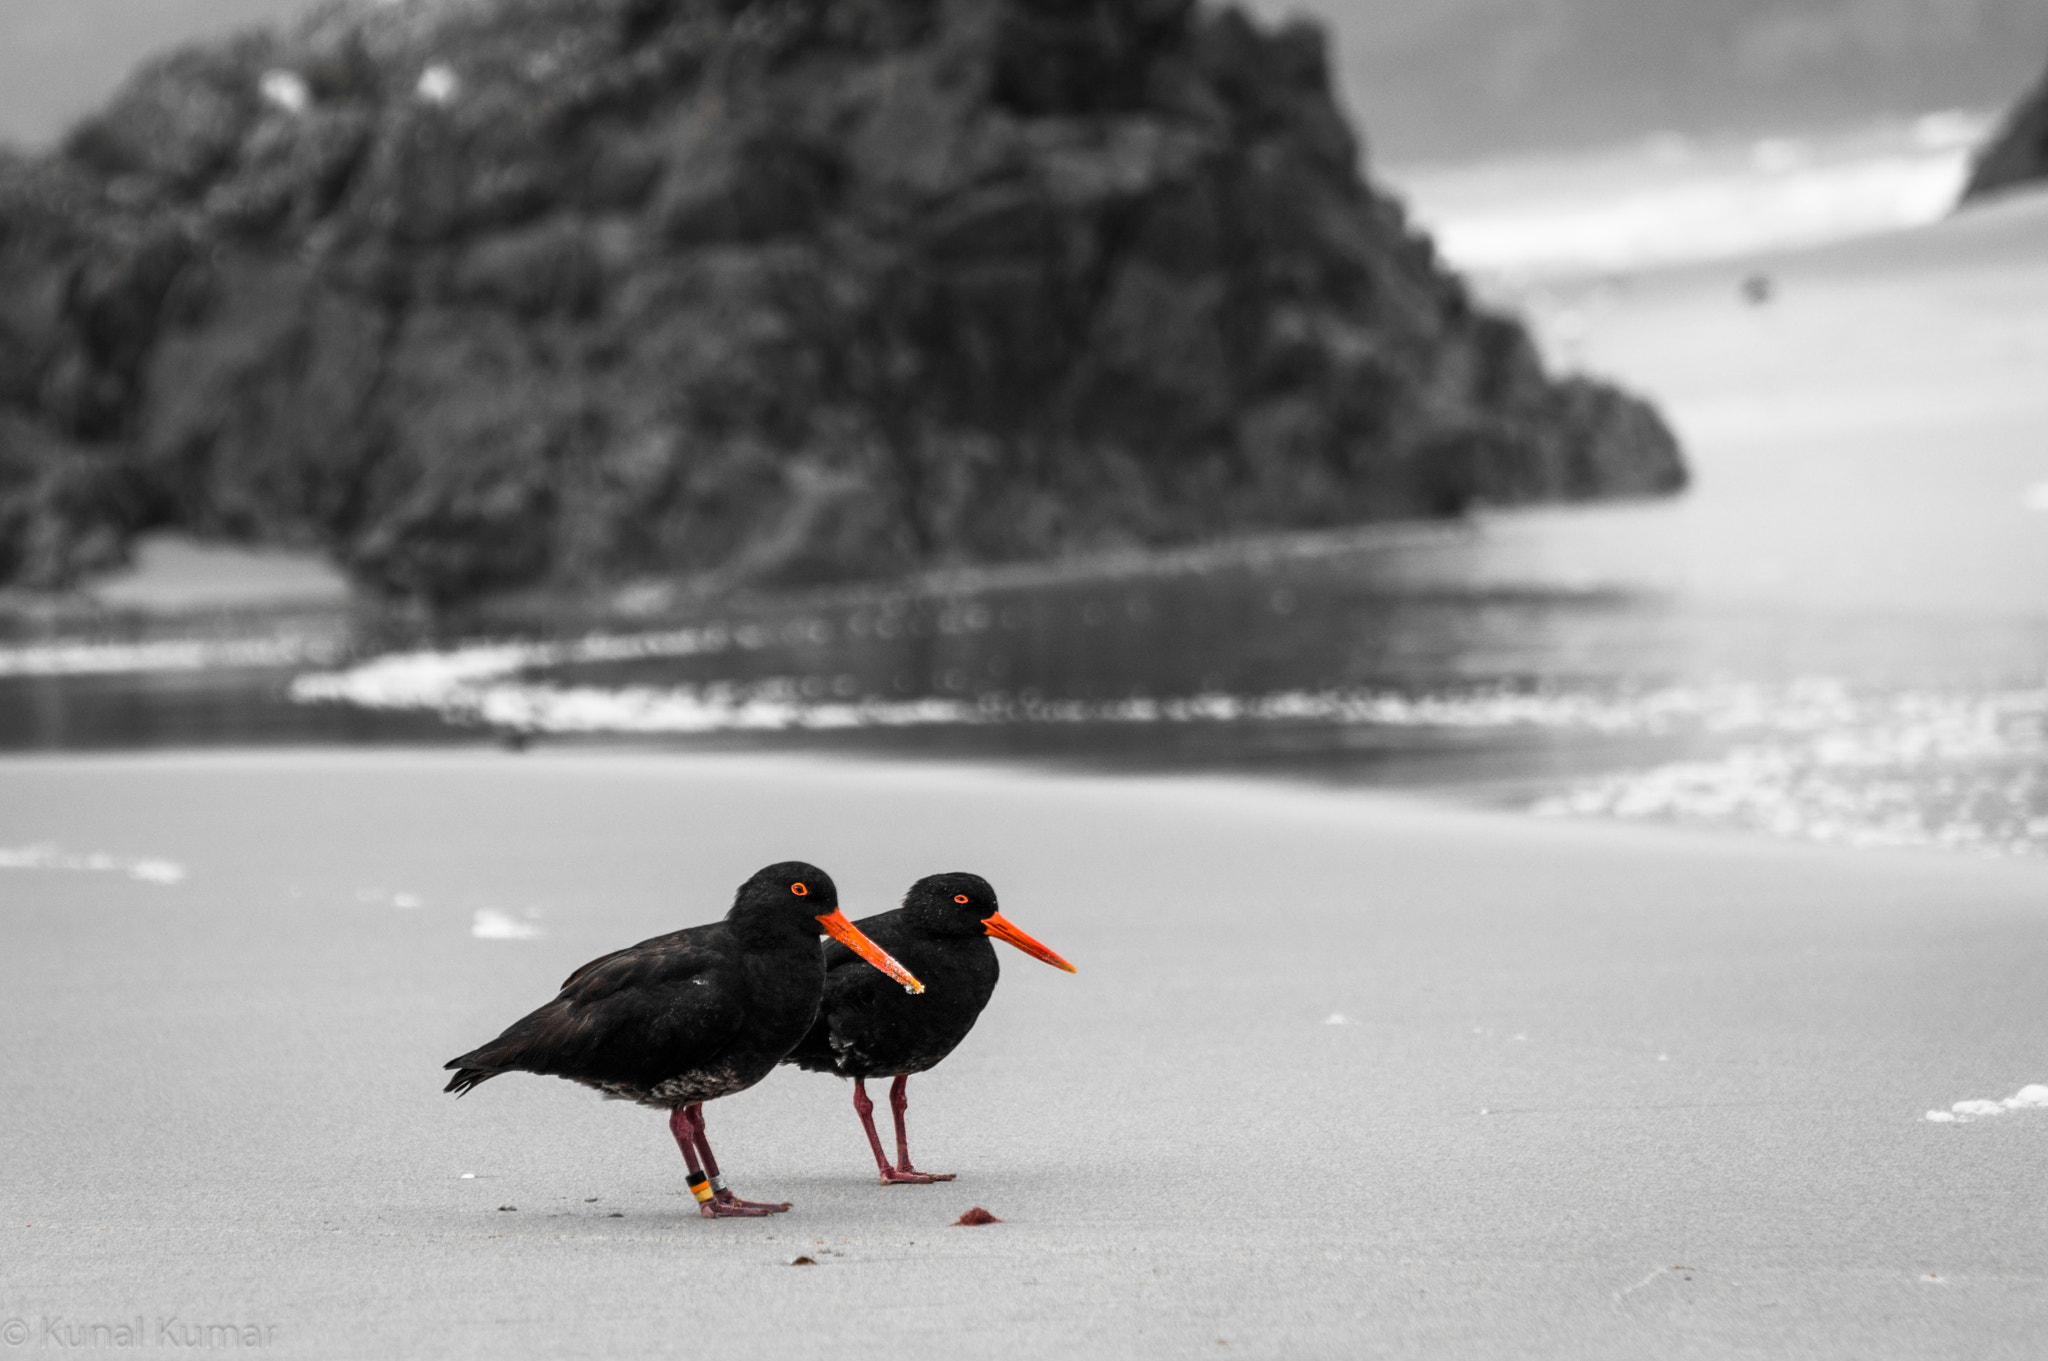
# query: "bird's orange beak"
x,y
846,933
999,926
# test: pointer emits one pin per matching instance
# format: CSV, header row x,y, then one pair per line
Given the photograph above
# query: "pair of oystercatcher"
x,y
701,1013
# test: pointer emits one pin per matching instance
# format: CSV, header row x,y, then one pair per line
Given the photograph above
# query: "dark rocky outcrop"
x,y
479,294
2018,152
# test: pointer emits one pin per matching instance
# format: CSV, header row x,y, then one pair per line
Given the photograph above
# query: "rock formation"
x,y
2018,152
483,294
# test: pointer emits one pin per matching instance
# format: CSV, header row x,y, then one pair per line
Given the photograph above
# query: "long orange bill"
x,y
999,926
846,933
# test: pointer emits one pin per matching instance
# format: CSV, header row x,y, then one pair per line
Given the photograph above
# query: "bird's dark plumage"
x,y
690,1016
942,934
865,1032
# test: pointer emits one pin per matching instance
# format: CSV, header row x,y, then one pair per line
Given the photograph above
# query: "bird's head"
x,y
961,904
802,895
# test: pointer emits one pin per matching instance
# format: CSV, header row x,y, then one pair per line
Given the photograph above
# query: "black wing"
x,y
820,1051
636,1015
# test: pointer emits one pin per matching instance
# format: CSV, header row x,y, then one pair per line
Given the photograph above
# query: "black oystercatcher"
x,y
864,1030
688,1017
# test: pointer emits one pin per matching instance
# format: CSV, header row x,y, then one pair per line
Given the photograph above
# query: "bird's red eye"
x,y
959,897
799,890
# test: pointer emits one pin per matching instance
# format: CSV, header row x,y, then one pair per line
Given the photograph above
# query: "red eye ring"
x,y
959,897
799,890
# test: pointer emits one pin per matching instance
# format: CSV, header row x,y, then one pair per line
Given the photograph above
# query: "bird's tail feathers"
x,y
465,1078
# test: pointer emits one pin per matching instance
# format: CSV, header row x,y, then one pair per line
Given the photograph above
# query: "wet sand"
x,y
1596,1091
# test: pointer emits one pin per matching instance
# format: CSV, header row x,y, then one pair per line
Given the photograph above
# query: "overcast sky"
x,y
1430,79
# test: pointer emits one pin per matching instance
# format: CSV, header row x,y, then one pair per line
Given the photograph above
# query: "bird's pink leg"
x,y
899,1102
685,1127
865,1109
685,1131
726,1201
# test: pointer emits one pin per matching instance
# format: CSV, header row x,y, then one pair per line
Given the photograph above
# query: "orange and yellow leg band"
x,y
700,1187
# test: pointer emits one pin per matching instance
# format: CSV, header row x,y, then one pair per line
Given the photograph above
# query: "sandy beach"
x,y
1340,1075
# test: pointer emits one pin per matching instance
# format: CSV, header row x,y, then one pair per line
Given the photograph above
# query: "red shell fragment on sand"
x,y
975,1216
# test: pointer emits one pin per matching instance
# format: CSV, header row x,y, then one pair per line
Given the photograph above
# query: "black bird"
x,y
697,1014
942,931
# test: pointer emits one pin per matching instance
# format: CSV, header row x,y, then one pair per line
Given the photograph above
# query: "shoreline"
x,y
1297,795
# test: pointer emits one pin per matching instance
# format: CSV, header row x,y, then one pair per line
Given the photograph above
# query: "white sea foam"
x,y
471,685
1961,772
479,683
92,659
2033,1096
1812,758
149,870
451,681
493,925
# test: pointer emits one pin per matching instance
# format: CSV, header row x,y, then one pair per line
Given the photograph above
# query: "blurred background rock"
x,y
480,297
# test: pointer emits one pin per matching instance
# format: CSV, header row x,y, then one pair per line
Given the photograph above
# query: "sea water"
x,y
1486,660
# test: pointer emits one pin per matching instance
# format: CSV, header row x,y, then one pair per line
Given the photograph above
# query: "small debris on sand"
x,y
616,1214
803,1261
975,1216
508,1207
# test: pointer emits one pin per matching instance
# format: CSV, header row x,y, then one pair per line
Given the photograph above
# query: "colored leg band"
x,y
717,1183
700,1187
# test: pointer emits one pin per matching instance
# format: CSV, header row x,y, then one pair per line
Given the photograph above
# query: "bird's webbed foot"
x,y
735,1204
910,1176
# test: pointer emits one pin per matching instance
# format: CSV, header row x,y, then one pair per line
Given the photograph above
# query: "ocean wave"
x,y
1813,758
1953,772
448,681
479,684
185,654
